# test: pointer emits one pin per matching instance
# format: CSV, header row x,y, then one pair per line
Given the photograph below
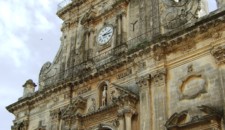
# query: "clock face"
x,y
105,35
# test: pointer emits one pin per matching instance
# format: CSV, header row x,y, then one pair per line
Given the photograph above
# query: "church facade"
x,y
131,65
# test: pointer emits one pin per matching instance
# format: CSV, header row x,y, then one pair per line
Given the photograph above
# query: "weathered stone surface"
x,y
162,67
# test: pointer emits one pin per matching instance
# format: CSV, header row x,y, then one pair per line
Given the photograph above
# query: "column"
x,y
87,40
145,101
124,27
159,102
128,116
119,29
91,39
121,120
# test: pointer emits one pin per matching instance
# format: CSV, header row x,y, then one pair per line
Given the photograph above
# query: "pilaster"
x,y
218,54
145,100
158,94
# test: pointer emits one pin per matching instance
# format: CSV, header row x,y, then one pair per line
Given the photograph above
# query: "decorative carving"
x,y
91,13
158,52
66,96
190,69
141,65
124,74
71,109
115,123
113,98
40,126
142,81
158,78
20,125
48,70
178,13
92,108
55,115
84,90
103,116
219,54
79,102
202,115
192,87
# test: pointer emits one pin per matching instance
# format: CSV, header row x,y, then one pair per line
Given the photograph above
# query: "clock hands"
x,y
107,33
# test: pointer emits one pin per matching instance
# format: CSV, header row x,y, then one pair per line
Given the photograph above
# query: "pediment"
x,y
195,116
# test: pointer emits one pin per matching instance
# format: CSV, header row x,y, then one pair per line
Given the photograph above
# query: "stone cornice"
x,y
73,4
169,42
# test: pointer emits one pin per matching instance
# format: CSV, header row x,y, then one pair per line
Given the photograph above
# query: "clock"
x,y
105,35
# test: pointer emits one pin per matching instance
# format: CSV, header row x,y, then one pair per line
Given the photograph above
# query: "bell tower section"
x,y
91,28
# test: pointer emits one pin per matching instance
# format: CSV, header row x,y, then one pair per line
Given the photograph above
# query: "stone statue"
x,y
104,96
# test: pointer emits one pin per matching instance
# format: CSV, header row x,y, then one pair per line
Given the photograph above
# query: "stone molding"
x,y
186,119
219,54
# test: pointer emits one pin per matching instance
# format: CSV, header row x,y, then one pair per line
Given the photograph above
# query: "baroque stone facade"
x,y
131,65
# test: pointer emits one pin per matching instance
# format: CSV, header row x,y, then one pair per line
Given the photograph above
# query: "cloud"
x,y
19,19
14,48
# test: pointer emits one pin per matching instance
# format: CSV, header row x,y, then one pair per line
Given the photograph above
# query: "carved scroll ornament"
x,y
178,13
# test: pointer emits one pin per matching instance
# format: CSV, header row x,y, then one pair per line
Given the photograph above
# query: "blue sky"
x,y
29,36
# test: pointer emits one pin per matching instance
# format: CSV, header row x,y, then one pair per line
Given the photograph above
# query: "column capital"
x,y
126,111
219,54
158,77
142,81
